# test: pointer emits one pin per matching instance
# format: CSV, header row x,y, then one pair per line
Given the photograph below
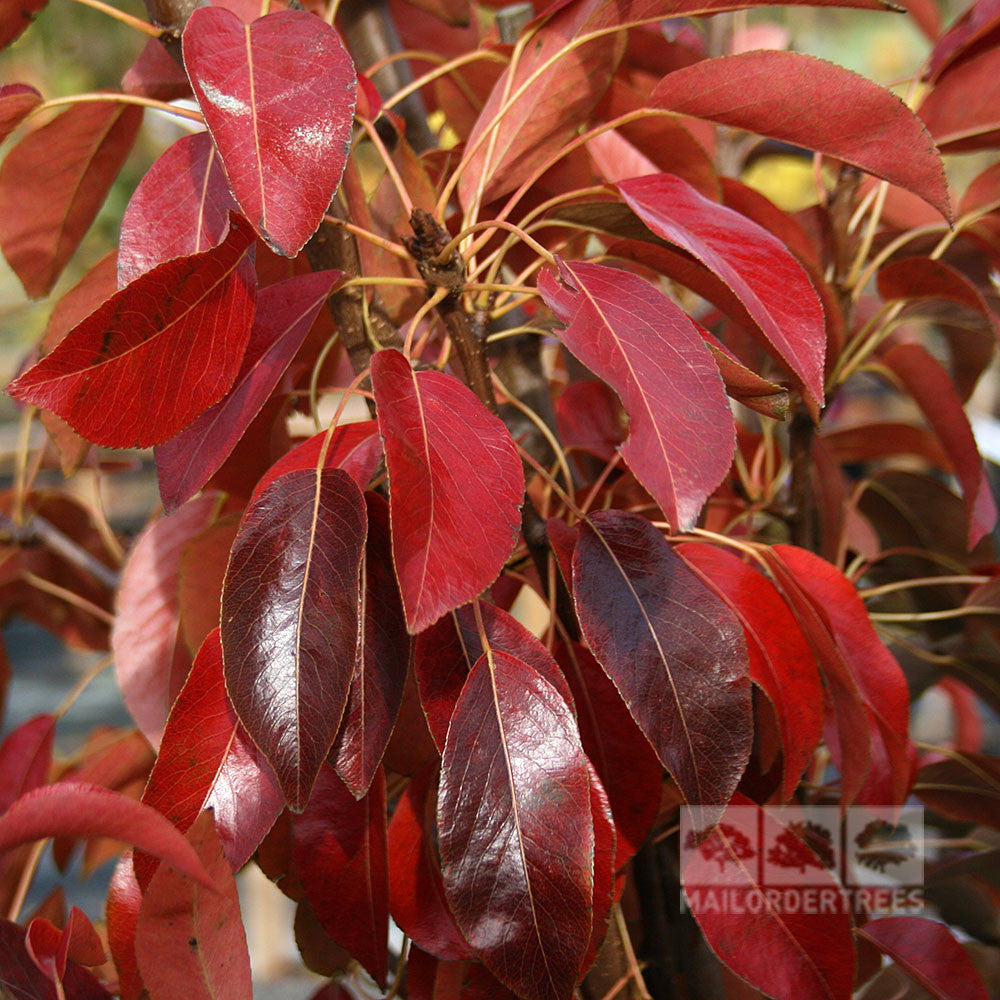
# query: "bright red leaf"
x,y
151,660
53,183
189,939
122,913
929,954
681,437
70,809
291,619
207,761
17,101
758,268
812,103
516,830
674,650
181,207
154,356
284,155
456,487
380,674
285,314
50,947
341,857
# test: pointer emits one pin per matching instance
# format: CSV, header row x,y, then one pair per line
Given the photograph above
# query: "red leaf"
x,y
355,448
681,438
181,207
122,909
446,653
589,416
341,857
207,761
75,810
200,577
285,314
789,953
516,829
961,111
151,660
972,26
674,650
610,736
25,758
190,942
812,103
156,354
781,660
966,787
879,678
15,16
928,383
756,266
54,181
606,862
155,73
380,674
284,155
291,620
17,101
930,955
50,948
416,890
456,487
22,980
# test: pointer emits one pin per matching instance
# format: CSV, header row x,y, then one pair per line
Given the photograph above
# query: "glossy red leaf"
x,y
965,787
930,955
611,736
284,156
291,620
189,940
17,101
515,828
380,674
881,683
53,183
812,103
674,650
455,487
23,980
927,382
416,890
446,653
781,659
341,857
961,111
50,947
70,809
789,953
758,268
681,436
156,354
285,314
122,913
151,660
25,758
181,207
207,761
355,448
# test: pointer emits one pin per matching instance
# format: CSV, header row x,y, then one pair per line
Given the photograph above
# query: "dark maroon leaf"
x,y
151,660
23,980
207,761
181,207
291,620
674,650
930,955
446,653
380,674
54,181
285,314
964,787
341,857
416,891
189,939
812,103
154,356
284,155
455,487
17,101
516,829
681,437
606,862
756,266
611,736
